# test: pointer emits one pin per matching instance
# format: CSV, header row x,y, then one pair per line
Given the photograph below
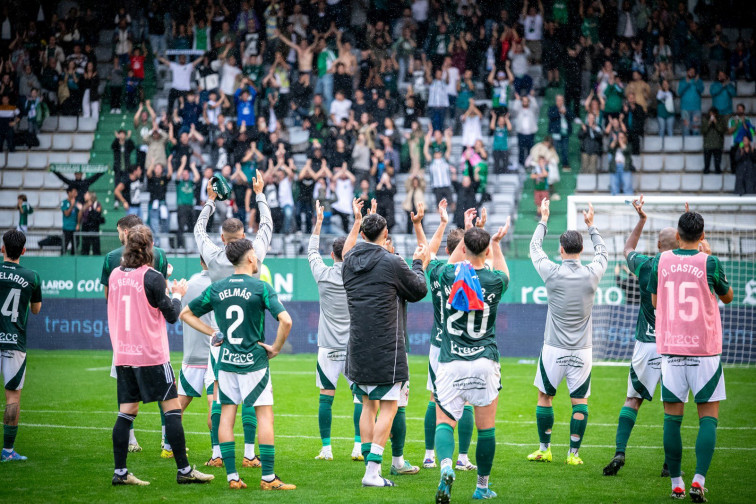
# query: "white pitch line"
x,y
501,443
417,419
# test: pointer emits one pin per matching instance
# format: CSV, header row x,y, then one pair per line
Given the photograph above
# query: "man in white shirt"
x,y
340,108
229,73
532,21
451,76
526,124
181,78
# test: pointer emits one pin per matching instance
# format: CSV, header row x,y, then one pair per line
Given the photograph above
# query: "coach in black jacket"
x,y
376,358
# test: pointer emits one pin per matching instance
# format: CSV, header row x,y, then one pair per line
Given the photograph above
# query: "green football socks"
x,y
430,426
485,450
249,424
544,422
577,426
267,458
324,418
229,456
625,425
673,444
356,418
398,433
465,432
705,442
9,436
215,413
445,443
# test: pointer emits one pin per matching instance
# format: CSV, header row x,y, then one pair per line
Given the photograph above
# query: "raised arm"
x,y
317,266
351,239
265,230
205,245
499,263
435,242
632,240
600,253
543,265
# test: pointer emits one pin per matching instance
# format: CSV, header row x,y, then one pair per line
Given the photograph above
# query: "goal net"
x,y
730,227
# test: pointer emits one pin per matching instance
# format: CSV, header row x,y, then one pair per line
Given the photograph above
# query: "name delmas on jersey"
x,y
13,277
237,292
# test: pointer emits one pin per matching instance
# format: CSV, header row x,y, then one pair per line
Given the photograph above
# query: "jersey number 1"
x,y
10,306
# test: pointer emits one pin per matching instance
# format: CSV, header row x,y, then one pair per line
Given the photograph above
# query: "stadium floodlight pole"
x,y
573,201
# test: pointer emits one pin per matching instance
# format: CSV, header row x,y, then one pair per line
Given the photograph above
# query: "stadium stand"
x,y
672,164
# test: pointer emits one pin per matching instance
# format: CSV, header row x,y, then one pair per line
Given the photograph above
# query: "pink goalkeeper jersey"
x,y
687,313
137,330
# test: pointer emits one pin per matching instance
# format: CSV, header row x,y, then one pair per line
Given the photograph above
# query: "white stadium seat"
x,y
602,182
694,163
67,123
712,183
674,162
693,143
728,185
43,219
673,143
670,183
52,182
7,218
34,179
62,142
652,144
37,160
649,182
45,141
13,179
87,124
58,157
50,199
691,182
50,124
16,160
653,163
586,182
83,142
78,158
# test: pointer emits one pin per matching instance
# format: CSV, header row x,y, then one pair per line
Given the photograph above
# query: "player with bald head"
x,y
645,367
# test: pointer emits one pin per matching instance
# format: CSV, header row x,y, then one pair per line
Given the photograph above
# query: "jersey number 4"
x,y
10,305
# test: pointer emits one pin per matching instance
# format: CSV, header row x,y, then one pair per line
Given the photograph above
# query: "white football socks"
x,y
249,451
430,455
544,447
699,479
132,437
233,476
678,483
216,452
397,461
463,458
482,482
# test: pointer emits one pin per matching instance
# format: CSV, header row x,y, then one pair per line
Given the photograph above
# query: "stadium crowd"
x,y
379,89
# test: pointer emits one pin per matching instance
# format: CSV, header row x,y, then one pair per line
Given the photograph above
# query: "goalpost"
x,y
730,227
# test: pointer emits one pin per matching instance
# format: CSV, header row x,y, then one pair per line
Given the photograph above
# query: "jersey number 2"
x,y
10,306
234,311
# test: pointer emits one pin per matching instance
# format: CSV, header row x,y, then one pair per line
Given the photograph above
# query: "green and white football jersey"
x,y
640,265
438,299
19,287
470,335
239,303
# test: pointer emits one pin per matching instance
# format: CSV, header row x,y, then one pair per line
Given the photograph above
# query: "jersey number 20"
x,y
471,332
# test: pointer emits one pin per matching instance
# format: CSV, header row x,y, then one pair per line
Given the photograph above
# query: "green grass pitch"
x,y
68,409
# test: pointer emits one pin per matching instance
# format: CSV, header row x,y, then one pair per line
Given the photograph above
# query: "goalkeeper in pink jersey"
x,y
686,284
138,309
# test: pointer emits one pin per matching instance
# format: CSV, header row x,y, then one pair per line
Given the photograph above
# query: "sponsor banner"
x,y
75,168
72,324
79,277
